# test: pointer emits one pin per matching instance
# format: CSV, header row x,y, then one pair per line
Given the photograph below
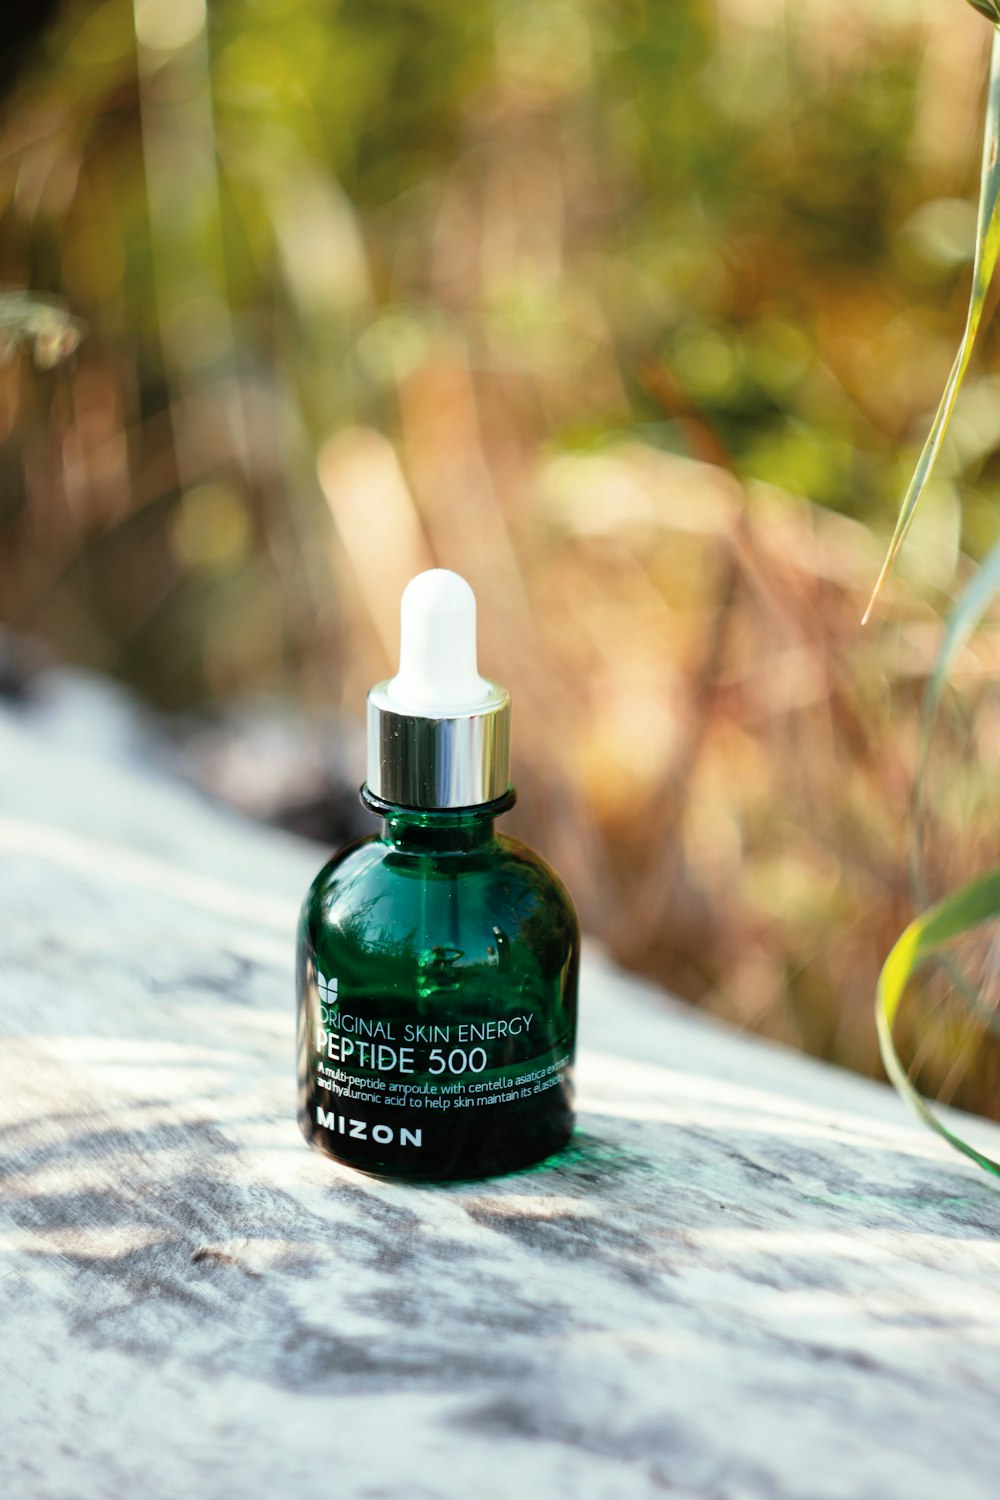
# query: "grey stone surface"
x,y
751,1276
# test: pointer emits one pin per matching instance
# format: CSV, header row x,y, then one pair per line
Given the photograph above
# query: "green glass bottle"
x,y
438,959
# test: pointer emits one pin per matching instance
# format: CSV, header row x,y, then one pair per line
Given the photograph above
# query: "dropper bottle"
x,y
437,959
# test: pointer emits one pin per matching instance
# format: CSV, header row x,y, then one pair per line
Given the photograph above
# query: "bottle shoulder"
x,y
378,859
505,883
359,861
527,865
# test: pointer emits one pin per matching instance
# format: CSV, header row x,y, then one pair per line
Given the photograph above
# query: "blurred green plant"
x,y
977,903
971,907
984,264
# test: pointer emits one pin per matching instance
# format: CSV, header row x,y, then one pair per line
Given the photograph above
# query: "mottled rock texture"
x,y
751,1276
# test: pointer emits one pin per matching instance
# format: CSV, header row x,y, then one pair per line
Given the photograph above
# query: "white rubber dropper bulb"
x,y
437,647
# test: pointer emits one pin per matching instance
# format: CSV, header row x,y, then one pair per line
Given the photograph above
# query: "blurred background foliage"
x,y
633,314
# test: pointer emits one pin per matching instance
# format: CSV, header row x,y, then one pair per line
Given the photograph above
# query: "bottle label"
x,y
390,1078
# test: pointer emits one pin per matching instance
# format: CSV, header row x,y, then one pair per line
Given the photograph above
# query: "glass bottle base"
x,y
507,1145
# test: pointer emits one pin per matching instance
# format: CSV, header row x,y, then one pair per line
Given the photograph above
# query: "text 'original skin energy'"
x,y
438,959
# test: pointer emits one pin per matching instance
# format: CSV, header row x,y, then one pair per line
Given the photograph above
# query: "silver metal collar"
x,y
462,760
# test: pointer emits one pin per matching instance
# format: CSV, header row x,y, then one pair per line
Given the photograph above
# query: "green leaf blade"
x,y
960,913
987,247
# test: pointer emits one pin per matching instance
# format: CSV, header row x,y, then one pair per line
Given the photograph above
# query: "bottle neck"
x,y
418,832
451,830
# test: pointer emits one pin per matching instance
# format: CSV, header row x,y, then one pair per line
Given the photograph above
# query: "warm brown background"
x,y
632,313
